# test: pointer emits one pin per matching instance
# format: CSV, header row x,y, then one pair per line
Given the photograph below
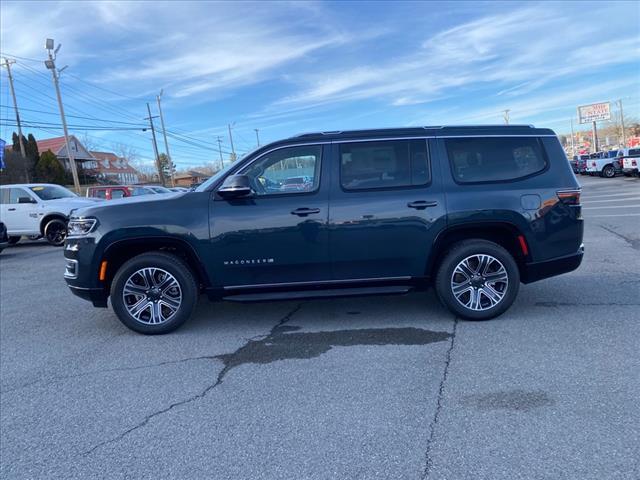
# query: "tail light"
x,y
634,163
569,197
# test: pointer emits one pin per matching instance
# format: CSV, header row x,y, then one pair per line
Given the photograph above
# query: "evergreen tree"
x,y
49,170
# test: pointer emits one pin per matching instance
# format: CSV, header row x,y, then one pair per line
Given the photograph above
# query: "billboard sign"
x,y
595,112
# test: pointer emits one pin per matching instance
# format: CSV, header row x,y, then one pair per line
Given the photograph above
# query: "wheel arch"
x,y
50,216
118,252
505,234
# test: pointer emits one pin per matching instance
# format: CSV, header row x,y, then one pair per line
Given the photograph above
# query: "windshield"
x,y
52,192
160,189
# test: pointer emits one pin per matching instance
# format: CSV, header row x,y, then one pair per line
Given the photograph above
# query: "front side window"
x,y
100,193
117,193
494,159
384,164
16,193
287,170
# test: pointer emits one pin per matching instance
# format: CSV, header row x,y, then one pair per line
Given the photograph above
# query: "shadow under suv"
x,y
473,211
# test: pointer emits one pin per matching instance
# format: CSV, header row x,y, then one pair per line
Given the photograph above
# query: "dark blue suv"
x,y
473,211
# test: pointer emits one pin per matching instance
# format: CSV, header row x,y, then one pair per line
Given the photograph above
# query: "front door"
x,y
386,208
279,235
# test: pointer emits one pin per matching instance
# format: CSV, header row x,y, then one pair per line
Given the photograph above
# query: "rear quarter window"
x,y
496,159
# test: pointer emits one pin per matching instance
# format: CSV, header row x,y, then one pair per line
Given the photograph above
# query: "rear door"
x,y
386,207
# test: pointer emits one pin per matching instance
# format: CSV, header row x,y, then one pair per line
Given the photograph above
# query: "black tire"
x,y
176,267
14,240
55,231
467,249
608,171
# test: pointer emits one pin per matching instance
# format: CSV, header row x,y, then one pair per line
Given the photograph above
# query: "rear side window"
x,y
494,159
634,151
384,164
99,193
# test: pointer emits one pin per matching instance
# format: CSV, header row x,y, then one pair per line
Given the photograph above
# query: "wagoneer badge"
x,y
249,261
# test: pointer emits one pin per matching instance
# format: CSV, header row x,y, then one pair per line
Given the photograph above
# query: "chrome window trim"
x,y
309,144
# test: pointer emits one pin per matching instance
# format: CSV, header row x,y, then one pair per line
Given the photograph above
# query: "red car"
x,y
111,192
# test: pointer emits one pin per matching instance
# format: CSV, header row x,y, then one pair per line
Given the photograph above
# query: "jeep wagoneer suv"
x,y
473,211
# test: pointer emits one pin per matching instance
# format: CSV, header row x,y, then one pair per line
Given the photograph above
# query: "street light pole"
x,y
257,137
55,73
7,63
573,148
166,143
624,137
220,151
155,146
233,150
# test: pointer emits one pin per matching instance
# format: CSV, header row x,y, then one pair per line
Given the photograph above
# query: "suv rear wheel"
x,y
608,171
477,280
154,293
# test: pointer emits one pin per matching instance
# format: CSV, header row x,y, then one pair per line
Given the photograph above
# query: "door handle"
x,y
422,204
303,212
12,209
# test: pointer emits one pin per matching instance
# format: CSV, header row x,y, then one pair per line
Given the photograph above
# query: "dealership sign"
x,y
595,112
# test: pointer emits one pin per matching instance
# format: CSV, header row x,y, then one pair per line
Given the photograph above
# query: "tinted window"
x,y
288,170
494,159
634,151
384,164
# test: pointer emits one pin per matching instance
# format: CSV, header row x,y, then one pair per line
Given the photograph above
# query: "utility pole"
x,y
233,151
594,131
166,143
51,65
7,63
257,137
155,145
220,151
506,116
573,148
624,137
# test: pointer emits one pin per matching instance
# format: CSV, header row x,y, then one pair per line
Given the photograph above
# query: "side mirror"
x,y
26,200
236,186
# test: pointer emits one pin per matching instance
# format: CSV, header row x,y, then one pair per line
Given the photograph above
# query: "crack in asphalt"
x,y
220,377
439,400
107,370
634,243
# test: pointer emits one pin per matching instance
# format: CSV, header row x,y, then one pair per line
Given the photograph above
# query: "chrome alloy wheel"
x,y
479,282
152,295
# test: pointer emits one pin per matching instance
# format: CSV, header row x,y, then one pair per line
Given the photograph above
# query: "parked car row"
x,y
607,164
37,210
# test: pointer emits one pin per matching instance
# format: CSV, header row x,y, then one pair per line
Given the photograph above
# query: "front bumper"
x,y
97,296
532,272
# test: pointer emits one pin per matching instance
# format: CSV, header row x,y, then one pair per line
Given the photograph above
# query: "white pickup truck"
x,y
38,210
630,159
604,164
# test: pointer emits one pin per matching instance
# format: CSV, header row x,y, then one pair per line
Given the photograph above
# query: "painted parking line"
x,y
612,206
611,195
614,200
615,215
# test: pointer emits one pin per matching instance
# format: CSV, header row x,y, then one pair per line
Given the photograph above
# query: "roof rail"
x,y
479,126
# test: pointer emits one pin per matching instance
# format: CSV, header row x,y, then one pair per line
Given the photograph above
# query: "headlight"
x,y
81,226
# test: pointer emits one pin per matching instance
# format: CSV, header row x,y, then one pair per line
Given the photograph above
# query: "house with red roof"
x,y
105,166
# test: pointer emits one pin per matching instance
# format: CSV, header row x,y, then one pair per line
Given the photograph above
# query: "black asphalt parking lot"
x,y
384,387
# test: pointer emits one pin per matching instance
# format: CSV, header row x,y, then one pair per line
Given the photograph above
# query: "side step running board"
x,y
302,294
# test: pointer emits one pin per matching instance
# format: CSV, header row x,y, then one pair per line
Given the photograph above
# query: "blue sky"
x,y
290,67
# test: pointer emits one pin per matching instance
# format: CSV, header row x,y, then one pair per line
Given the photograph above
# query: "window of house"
x,y
384,164
494,159
287,170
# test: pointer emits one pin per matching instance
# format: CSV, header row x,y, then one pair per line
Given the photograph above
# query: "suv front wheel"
x,y
154,293
477,280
